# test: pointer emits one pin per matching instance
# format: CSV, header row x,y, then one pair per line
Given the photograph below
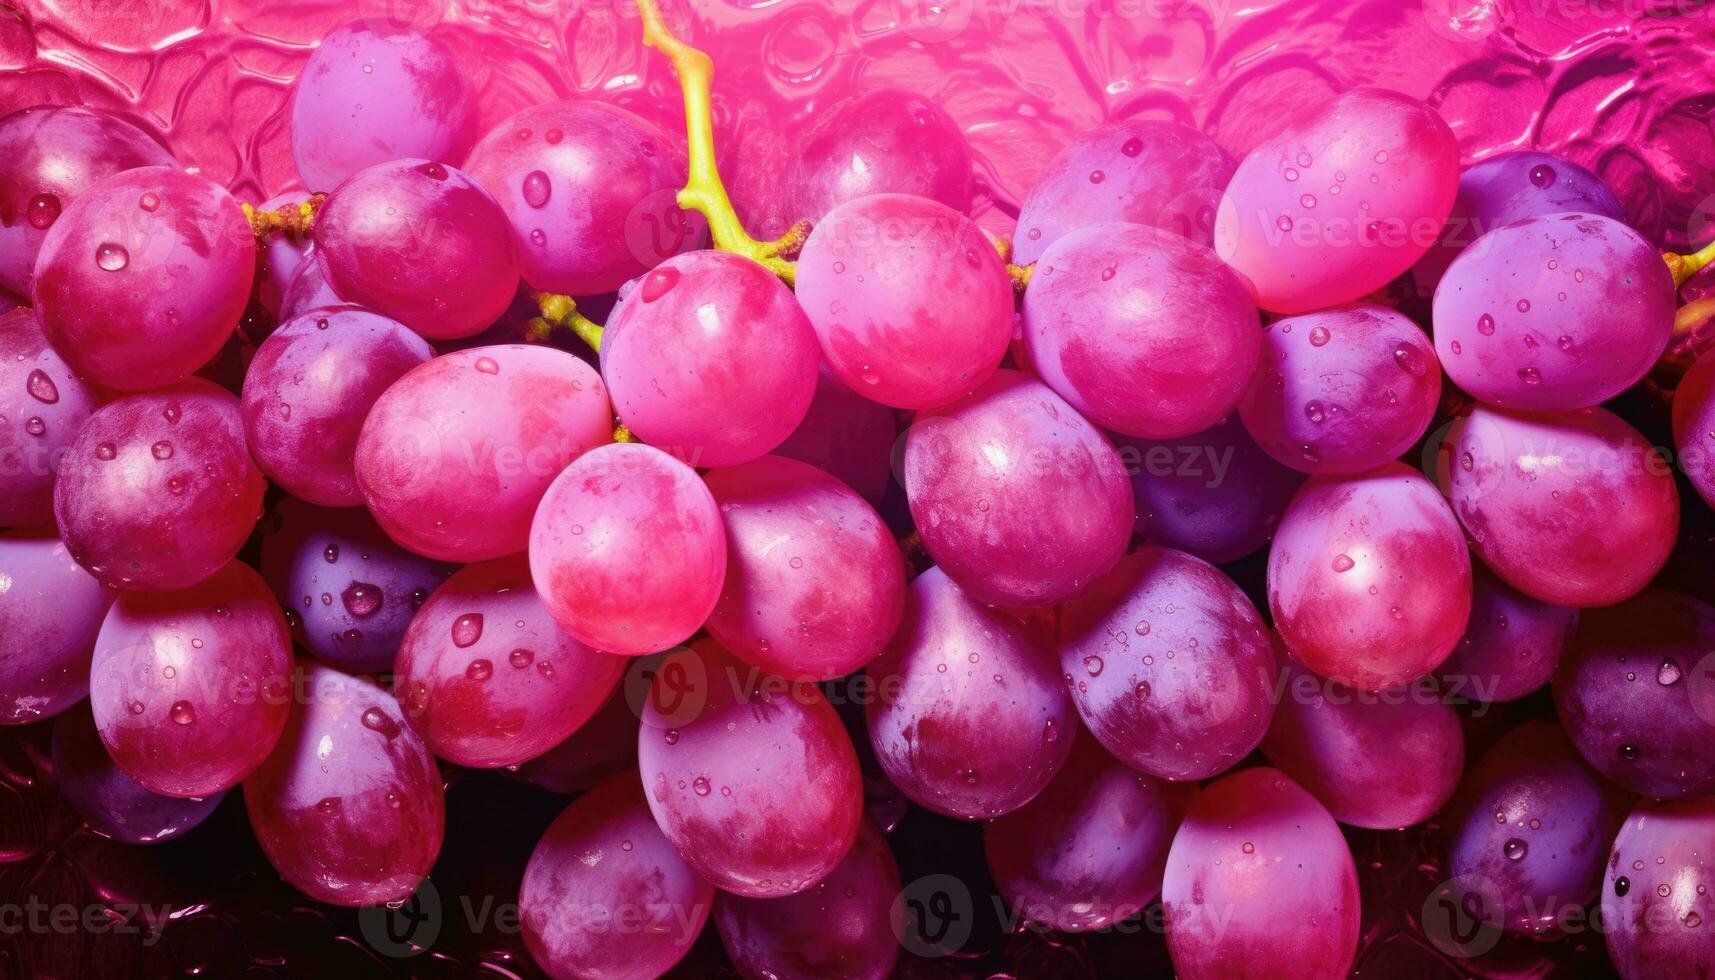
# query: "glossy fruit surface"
x,y
112,803
44,405
1656,892
881,142
50,612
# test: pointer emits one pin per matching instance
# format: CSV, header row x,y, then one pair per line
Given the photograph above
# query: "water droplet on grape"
x,y
1307,201
1343,563
1314,412
362,599
1142,627
1096,176
1132,147
1318,336
182,713
1291,173
1284,223
433,171
378,721
537,189
43,210
1542,175
1628,752
479,670
520,658
1486,325
41,387
1530,375
1524,306
486,365
111,257
538,237
35,426
1515,849
467,629
162,450
1094,665
1622,884
1668,673
657,283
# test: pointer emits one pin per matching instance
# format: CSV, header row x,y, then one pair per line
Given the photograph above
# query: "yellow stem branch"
x,y
294,219
562,311
1684,267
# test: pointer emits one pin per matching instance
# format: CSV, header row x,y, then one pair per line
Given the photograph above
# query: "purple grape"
x,y
1017,498
308,390
308,290
368,96
190,688
43,406
49,155
348,807
1169,664
1512,642
881,142
969,716
349,591
158,491
144,277
1342,390
50,612
589,191
1090,849
1635,697
1657,908
1143,331
1694,425
112,803
601,747
419,242
846,435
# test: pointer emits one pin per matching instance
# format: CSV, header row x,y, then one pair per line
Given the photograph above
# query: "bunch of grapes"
x,y
1008,499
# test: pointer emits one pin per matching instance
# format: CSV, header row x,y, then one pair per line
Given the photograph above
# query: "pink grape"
x,y
282,255
349,806
601,747
589,191
158,490
1342,390
1658,908
752,778
1634,695
1693,425
1089,851
1169,665
1576,509
632,912
881,142
843,926
1512,642
112,803
1143,331
628,551
43,406
1369,580
846,435
308,290
814,581
1379,762
1017,498
908,297
189,688
487,678
970,718
1253,843
349,591
50,155
421,243
308,390
1557,312
727,391
144,276
50,612
367,96
1140,171
456,454
1340,202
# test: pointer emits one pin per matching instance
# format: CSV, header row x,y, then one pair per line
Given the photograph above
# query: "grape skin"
x,y
308,290
1694,426
112,803
881,142
50,612
601,747
846,435
43,405
1512,642
1660,926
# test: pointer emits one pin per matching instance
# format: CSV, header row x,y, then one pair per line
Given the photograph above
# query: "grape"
x,y
846,435
908,297
1140,171
710,358
308,390
349,591
1380,761
308,290
752,778
814,581
455,456
50,155
841,927
1255,843
631,913
1169,664
158,491
1342,391
1576,509
1369,580
628,551
969,718
1017,498
1693,426
881,142
487,678
1532,823
421,243
368,96
1143,331
1657,908
189,688
1341,202
602,746
1089,851
1512,642
144,276
50,611
589,192
1214,494
1634,697
1556,312
43,405
348,807
114,804
282,255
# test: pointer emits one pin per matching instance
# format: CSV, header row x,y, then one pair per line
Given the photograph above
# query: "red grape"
x,y
881,142
1658,911
43,405
602,746
50,612
282,254
308,290
1511,645
112,803
846,435
1693,426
